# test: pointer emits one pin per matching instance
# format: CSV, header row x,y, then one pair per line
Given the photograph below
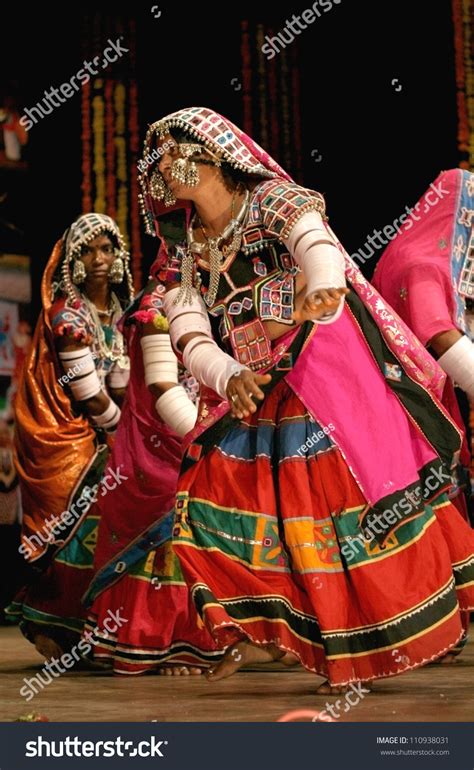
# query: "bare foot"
x,y
47,647
448,659
332,689
179,671
289,659
242,654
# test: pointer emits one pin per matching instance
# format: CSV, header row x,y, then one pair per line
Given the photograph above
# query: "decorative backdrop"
x,y
111,135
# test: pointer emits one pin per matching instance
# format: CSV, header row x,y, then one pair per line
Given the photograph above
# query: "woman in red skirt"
x,y
311,516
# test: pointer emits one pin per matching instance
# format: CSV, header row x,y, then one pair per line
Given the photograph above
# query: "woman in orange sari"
x,y
68,405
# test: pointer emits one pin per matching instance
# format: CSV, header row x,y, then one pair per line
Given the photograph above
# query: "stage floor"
x,y
436,693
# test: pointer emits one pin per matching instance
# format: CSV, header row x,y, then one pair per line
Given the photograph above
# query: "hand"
x,y
240,389
318,304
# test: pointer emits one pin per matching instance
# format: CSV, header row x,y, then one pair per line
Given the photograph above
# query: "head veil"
x,y
235,147
55,445
224,139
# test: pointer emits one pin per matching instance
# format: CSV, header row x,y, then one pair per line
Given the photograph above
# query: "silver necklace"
x,y
107,313
116,351
212,246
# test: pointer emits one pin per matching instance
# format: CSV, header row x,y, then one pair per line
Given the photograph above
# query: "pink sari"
x,y
135,567
424,272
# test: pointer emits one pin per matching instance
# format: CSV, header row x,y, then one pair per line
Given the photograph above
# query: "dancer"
x,y
65,410
136,568
427,275
312,498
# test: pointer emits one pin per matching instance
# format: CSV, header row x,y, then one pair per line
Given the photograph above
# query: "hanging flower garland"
x,y
110,134
135,241
121,165
463,20
86,135
110,149
98,129
468,27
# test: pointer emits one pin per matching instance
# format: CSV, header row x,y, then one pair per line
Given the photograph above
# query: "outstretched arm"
x,y
322,263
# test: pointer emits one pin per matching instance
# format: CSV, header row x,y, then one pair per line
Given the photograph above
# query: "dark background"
x,y
380,147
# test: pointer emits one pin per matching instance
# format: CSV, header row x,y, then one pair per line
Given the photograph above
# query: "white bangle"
x,y
118,377
177,410
108,420
201,356
159,360
314,250
80,370
185,318
458,362
210,365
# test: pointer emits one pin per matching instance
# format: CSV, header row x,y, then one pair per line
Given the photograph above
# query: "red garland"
x,y
96,30
86,135
110,149
463,123
465,130
135,239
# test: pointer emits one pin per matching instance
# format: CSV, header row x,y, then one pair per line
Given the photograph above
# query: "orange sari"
x,y
54,446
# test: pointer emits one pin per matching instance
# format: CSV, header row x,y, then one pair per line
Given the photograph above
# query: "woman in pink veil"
x,y
135,565
427,275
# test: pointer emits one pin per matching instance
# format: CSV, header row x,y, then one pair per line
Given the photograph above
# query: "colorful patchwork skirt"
x,y
268,533
161,624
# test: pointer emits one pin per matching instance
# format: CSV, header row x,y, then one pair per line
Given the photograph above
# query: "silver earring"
x,y
160,190
79,272
116,271
185,172
158,186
